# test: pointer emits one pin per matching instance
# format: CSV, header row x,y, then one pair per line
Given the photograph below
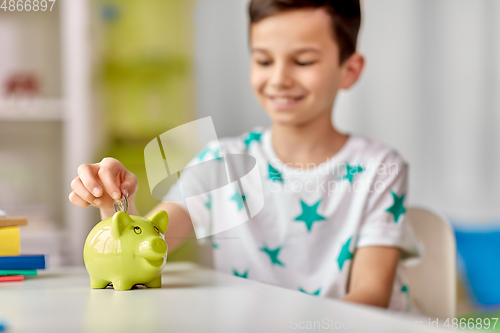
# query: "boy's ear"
x,y
160,219
351,70
119,222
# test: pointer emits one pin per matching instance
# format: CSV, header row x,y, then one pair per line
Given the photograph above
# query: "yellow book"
x,y
10,241
12,221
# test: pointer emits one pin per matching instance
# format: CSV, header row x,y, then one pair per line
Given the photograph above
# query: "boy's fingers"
x,y
111,163
76,200
80,190
129,185
88,176
107,176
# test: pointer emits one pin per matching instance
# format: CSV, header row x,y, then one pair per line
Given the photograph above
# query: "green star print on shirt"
x,y
274,174
239,199
309,214
208,204
316,293
344,254
351,171
273,254
218,155
406,291
243,275
202,154
397,209
252,136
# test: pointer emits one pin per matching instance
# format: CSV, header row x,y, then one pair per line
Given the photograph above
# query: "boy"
x,y
343,242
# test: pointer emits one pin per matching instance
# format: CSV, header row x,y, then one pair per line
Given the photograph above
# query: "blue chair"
x,y
478,246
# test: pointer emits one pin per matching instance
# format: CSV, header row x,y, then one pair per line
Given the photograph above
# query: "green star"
x,y
218,155
274,174
239,199
309,214
273,255
252,136
397,209
202,154
344,254
208,204
351,171
215,245
316,293
405,290
242,275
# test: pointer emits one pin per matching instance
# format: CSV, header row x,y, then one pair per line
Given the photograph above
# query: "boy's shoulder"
x,y
363,148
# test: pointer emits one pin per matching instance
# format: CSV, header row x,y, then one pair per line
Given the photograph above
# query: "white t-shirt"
x,y
312,219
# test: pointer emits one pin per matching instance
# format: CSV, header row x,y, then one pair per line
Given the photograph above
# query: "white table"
x,y
192,299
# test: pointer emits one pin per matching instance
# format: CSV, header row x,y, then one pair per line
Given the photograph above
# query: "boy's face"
x,y
295,70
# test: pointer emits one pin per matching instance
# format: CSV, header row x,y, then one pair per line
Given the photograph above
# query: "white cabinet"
x,y
44,137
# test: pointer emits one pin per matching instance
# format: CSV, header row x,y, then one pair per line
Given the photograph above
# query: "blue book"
x,y
23,262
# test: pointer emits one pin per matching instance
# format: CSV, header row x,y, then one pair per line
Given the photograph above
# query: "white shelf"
x,y
54,46
31,109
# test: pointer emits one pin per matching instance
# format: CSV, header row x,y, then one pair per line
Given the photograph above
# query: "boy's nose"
x,y
281,77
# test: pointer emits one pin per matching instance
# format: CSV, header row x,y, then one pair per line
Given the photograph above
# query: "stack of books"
x,y
13,265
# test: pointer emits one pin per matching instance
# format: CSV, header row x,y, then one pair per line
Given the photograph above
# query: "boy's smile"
x,y
295,70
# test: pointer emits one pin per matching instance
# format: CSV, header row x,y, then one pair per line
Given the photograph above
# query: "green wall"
x,y
143,81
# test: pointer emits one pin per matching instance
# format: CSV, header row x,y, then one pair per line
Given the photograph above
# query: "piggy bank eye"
x,y
156,229
137,230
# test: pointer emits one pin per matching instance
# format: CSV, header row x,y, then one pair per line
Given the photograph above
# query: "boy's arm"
x,y
372,275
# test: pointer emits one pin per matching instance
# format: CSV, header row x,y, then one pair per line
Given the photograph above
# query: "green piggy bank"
x,y
127,250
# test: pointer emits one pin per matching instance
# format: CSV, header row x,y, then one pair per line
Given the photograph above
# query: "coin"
x,y
121,205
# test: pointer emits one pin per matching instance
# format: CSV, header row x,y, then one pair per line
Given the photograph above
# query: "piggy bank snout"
x,y
159,246
154,249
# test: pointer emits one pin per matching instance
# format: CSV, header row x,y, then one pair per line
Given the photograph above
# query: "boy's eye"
x,y
305,63
264,63
137,230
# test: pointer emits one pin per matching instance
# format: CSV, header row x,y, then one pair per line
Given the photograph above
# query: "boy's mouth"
x,y
284,102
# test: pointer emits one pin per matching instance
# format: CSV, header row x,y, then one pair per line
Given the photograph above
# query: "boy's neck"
x,y
313,142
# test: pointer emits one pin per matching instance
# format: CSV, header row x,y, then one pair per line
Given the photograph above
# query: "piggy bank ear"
x,y
160,219
118,224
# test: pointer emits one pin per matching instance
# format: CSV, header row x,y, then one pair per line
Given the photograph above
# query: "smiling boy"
x,y
345,242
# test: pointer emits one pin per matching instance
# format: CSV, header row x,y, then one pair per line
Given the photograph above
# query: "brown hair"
x,y
345,15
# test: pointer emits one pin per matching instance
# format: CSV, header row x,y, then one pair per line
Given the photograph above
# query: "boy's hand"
x,y
101,183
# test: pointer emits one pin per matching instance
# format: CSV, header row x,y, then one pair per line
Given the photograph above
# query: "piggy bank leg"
x,y
122,285
156,283
98,283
